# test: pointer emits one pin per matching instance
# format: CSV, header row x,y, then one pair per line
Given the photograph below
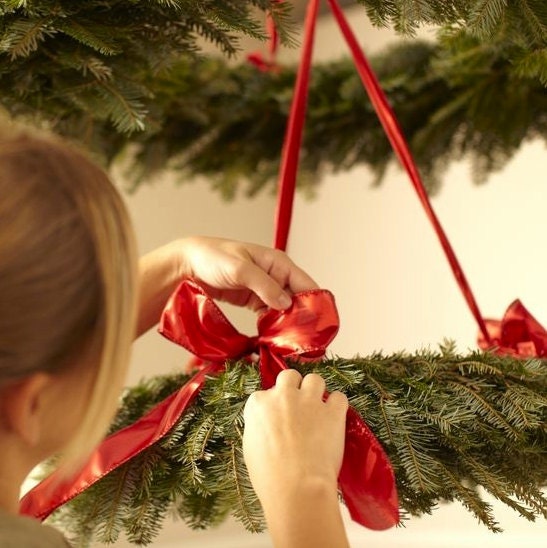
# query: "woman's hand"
x,y
239,273
242,273
291,435
293,445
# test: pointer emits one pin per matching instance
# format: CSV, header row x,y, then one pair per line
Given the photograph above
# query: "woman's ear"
x,y
23,404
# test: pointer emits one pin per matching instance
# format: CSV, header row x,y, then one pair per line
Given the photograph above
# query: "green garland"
x,y
134,85
227,124
449,424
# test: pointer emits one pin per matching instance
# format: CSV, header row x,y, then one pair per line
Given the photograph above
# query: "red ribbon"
x,y
293,134
293,139
517,334
193,320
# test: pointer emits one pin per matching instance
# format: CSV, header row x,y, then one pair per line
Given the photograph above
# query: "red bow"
x,y
194,321
518,333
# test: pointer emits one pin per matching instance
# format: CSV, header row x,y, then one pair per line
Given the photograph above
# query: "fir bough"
x,y
124,76
449,424
66,56
447,98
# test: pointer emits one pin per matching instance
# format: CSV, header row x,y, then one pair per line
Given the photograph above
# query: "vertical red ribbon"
x,y
273,35
293,135
366,475
256,58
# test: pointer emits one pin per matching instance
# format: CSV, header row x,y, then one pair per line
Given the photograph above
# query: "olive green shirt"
x,y
19,532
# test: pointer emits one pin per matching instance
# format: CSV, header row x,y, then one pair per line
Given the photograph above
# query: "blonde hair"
x,y
67,272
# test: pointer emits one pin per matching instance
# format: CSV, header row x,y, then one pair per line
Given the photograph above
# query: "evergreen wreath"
x,y
450,424
136,84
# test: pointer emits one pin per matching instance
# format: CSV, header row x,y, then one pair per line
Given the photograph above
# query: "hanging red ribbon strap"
x,y
293,134
398,142
256,58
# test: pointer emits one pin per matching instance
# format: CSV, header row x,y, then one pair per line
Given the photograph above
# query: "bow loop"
x,y
518,333
305,329
193,320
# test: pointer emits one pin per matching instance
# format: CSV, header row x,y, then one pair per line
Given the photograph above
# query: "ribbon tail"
x,y
366,478
114,451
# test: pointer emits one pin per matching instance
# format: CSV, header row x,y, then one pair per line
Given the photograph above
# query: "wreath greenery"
x,y
137,85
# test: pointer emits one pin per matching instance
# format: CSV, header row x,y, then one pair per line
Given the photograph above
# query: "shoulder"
x,y
18,531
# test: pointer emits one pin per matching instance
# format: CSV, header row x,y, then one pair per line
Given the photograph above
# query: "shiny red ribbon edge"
x,y
193,320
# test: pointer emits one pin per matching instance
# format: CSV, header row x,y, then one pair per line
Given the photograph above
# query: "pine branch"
x,y
204,118
443,419
84,33
479,508
39,38
22,38
247,508
88,70
535,18
486,16
524,20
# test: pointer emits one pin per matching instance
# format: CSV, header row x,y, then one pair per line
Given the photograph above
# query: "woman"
x,y
72,299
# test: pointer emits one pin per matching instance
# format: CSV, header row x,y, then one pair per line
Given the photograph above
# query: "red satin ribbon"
x,y
194,321
115,450
517,334
293,134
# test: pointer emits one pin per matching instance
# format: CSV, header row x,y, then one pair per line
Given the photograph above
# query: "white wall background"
x,y
375,250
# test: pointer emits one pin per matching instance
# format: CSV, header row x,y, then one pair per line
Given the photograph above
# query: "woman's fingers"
x,y
313,385
288,379
338,402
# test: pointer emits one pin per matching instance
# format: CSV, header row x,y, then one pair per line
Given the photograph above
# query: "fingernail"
x,y
284,301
